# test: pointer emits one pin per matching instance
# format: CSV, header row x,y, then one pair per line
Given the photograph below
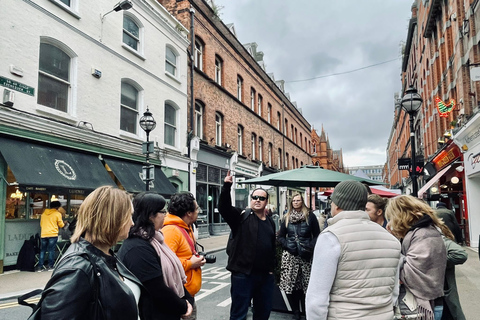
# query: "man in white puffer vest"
x,y
355,263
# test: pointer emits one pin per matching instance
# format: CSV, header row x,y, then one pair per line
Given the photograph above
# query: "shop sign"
x,y
15,235
443,107
469,136
249,172
446,156
404,164
17,86
472,161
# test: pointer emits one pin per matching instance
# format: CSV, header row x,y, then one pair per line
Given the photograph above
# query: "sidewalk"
x,y
15,283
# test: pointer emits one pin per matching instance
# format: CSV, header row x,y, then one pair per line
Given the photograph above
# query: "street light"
x,y
147,123
411,102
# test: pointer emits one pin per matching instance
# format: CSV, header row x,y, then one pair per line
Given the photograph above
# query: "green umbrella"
x,y
308,176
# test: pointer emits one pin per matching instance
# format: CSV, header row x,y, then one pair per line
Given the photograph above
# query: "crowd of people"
x,y
373,259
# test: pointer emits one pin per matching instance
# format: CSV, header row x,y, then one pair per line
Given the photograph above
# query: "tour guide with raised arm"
x,y
251,253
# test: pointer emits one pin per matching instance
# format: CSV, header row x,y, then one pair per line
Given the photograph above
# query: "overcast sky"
x,y
304,39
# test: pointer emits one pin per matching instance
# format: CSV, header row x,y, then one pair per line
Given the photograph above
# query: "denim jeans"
x,y
437,312
47,244
244,288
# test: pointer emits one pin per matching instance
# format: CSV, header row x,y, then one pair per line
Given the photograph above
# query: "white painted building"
x,y
75,79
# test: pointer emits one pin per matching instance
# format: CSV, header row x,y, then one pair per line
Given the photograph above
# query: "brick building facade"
x,y
243,120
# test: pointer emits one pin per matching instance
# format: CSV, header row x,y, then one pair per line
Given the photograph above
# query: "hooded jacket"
x,y
50,221
176,240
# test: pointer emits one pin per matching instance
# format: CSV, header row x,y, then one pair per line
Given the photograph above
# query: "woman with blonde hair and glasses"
x,y
89,282
298,233
424,255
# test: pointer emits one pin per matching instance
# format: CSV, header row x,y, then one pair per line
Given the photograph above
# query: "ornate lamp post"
x,y
147,123
411,102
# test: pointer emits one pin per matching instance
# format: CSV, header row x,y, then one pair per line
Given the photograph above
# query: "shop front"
x,y
33,174
468,140
212,167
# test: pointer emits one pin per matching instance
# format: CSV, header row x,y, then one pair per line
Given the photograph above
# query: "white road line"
x,y
207,292
225,303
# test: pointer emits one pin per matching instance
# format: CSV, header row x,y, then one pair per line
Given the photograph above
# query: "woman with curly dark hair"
x,y
179,236
146,254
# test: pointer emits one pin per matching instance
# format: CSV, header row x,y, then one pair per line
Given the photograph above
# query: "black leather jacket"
x,y
70,292
307,234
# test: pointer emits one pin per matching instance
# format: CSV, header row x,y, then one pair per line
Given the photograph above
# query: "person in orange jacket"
x,y
178,232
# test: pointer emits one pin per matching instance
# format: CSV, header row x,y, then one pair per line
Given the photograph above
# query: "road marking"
x,y
215,273
207,292
225,303
15,304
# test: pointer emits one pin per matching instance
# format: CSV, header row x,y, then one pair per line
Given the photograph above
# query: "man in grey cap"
x,y
355,263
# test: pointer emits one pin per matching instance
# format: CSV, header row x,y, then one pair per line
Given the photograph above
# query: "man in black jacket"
x,y
449,219
251,253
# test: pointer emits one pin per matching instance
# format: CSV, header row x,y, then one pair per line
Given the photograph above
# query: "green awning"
x,y
39,167
130,176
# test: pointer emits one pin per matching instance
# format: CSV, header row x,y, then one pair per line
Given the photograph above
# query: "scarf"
x,y
296,216
419,281
172,269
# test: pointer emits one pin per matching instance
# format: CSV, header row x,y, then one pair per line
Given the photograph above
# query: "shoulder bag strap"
x,y
189,239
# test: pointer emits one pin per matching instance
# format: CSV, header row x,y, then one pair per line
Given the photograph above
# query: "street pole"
x,y
413,170
147,164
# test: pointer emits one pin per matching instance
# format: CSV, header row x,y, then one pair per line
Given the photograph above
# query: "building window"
x,y
218,128
198,53
269,113
254,146
218,70
293,162
278,121
252,99
129,108
260,149
239,88
314,147
259,103
295,138
270,146
198,120
279,158
170,124
170,61
301,140
240,139
286,127
53,77
291,133
286,161
131,33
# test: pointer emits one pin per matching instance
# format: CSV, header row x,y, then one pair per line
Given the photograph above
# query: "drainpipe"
x,y
192,98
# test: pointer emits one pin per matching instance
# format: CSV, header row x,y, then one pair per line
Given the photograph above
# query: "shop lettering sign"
x,y
473,136
474,159
446,156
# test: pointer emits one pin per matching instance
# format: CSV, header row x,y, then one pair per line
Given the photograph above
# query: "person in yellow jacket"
x,y
178,232
50,221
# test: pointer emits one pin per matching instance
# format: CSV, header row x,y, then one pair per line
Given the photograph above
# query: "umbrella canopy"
x,y
307,176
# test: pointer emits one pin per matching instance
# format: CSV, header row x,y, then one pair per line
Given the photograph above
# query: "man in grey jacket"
x,y
355,263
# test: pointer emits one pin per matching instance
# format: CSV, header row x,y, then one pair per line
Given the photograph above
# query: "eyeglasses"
x,y
259,198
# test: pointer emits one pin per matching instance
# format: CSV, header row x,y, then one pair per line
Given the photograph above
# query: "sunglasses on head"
x,y
259,198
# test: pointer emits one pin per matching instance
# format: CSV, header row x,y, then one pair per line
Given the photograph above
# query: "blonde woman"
x,y
89,282
413,222
298,233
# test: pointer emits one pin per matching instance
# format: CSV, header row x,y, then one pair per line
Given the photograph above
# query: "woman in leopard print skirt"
x,y
298,233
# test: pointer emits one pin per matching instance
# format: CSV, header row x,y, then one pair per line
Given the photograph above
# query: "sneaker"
x,y
50,268
39,269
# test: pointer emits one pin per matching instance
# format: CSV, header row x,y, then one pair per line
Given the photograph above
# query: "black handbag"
x,y
97,310
304,250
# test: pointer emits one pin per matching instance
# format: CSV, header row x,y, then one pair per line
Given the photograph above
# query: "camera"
x,y
209,258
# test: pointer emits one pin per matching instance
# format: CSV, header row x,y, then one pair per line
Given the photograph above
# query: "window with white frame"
x,y
218,128
252,99
199,120
259,103
131,33
270,147
254,145
199,53
170,124
260,149
54,77
218,70
170,61
240,139
128,108
239,88
269,113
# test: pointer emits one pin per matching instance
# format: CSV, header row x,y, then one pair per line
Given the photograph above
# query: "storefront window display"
x,y
209,183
